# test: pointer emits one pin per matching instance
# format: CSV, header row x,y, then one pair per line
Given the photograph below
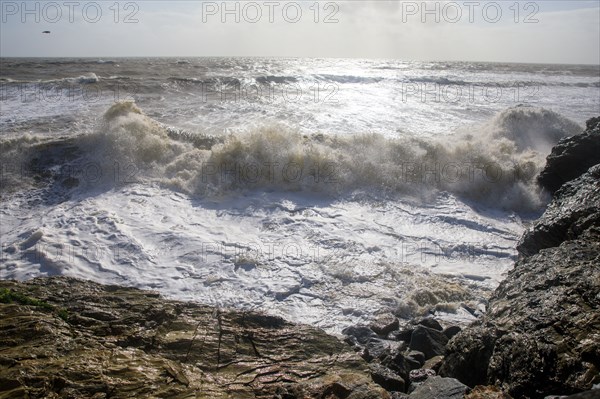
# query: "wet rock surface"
x,y
402,360
440,388
387,378
428,341
541,334
574,209
571,157
66,338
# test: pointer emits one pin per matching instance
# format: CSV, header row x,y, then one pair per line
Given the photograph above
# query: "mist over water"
x,y
324,191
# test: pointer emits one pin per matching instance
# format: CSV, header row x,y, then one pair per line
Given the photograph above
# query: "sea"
x,y
324,191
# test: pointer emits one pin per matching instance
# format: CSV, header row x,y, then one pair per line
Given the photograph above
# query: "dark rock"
x,y
440,388
571,157
386,378
415,357
451,331
385,324
413,386
398,363
574,209
420,375
434,363
431,323
358,335
429,341
70,182
593,124
469,354
404,334
379,349
592,394
540,334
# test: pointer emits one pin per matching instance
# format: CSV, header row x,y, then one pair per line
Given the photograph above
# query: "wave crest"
x,y
494,163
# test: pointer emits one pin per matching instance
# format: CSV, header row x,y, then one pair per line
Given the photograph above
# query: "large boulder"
x,y
440,388
571,157
429,341
541,334
385,324
575,208
387,378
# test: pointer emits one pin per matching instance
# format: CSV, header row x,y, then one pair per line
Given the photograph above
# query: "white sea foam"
x,y
354,198
327,262
332,247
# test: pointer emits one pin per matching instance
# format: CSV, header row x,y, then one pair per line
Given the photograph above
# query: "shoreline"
x,y
73,338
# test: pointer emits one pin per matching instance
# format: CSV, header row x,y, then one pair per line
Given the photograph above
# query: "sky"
x,y
547,31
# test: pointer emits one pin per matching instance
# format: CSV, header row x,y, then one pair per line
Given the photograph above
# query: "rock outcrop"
x,y
541,335
438,387
575,208
66,338
571,157
407,359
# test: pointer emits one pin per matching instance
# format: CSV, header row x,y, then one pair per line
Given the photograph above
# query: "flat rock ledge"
x,y
65,338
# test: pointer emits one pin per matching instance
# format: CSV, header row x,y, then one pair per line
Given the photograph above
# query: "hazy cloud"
x,y
565,31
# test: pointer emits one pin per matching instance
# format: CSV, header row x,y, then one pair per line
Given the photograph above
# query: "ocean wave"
x,y
184,79
83,79
441,80
88,78
444,81
494,163
211,81
347,78
276,79
585,84
232,81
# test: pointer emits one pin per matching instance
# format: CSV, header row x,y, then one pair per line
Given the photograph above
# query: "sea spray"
x,y
494,163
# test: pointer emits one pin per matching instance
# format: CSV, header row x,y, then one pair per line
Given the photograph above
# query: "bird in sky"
x,y
46,31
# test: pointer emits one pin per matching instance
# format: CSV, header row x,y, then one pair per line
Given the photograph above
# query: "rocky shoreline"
x,y
65,338
541,334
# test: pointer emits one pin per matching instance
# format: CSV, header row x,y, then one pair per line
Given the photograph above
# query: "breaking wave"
x,y
276,79
83,79
348,78
494,163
